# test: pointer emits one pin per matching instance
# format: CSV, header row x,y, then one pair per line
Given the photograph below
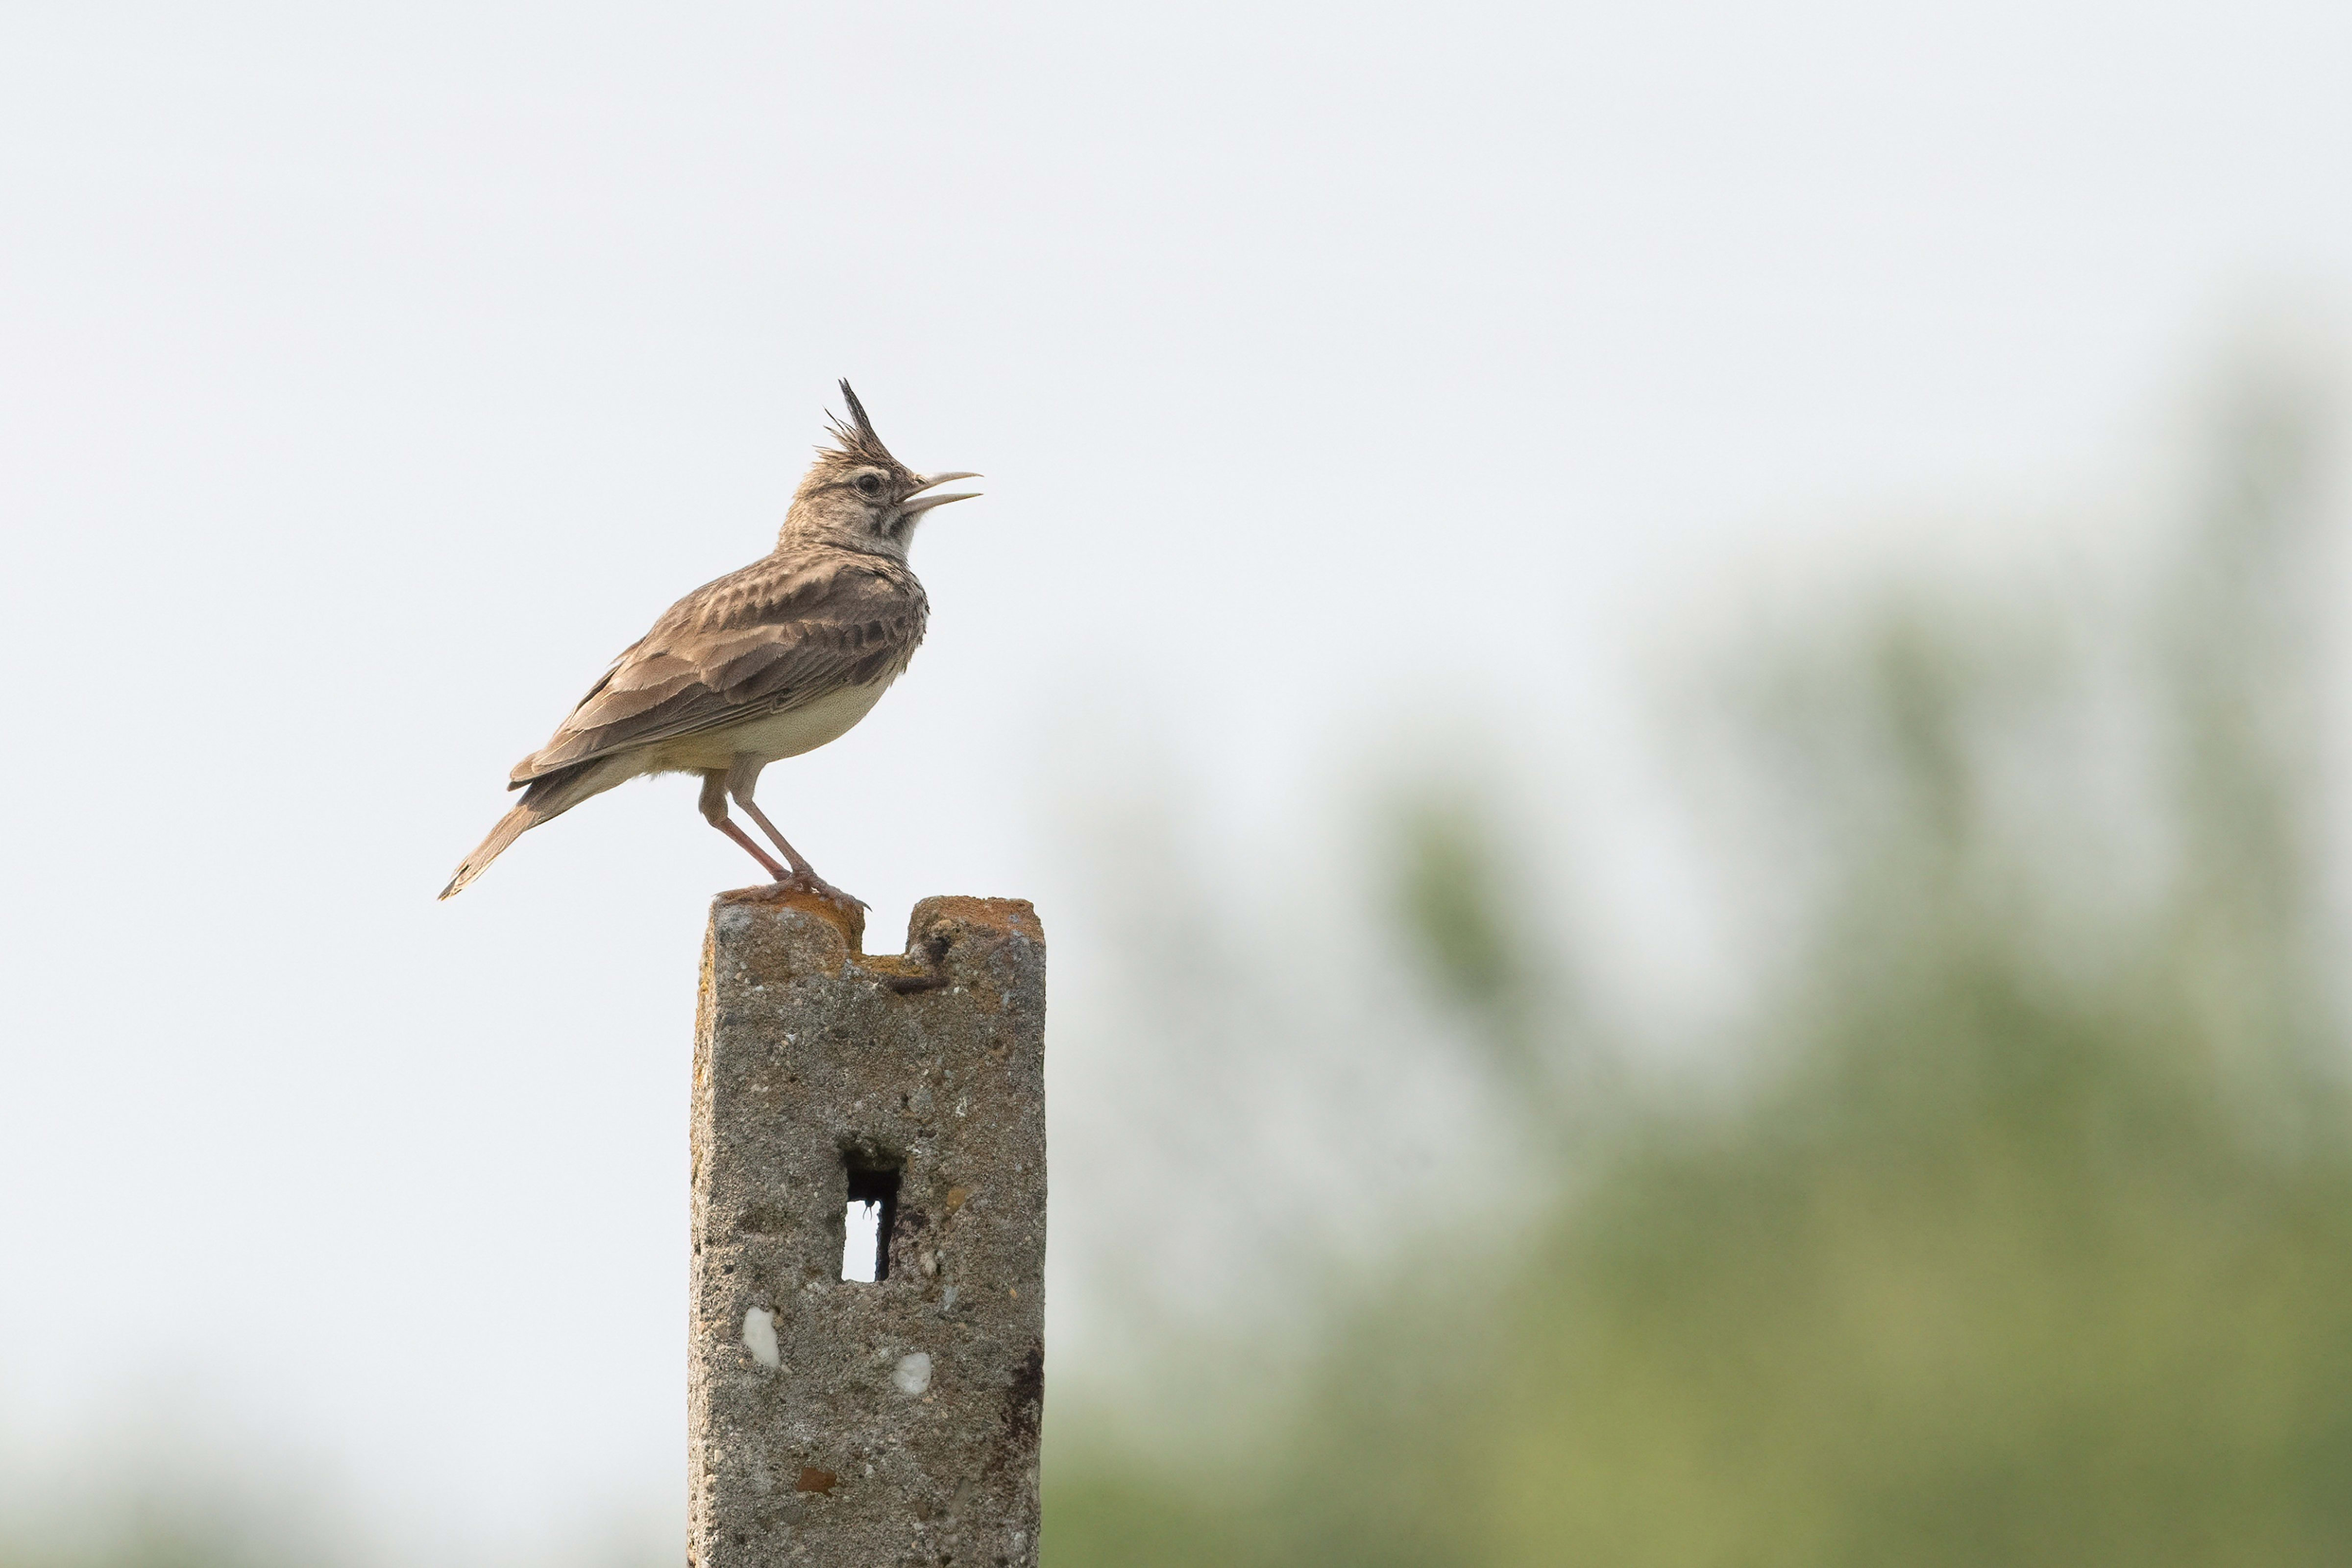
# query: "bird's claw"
x,y
810,883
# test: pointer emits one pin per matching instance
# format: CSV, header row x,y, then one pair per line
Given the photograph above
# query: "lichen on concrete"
x,y
833,1422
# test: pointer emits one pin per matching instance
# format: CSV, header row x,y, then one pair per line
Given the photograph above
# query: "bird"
x,y
777,659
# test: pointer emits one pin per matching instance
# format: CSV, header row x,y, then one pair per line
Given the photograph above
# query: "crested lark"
x,y
765,663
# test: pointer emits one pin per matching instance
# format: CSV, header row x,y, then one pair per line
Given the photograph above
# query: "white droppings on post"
x,y
759,1337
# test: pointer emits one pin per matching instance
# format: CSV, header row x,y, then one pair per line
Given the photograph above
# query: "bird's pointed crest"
x,y
855,442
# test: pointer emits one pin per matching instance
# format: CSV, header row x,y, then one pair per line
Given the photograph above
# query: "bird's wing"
x,y
762,640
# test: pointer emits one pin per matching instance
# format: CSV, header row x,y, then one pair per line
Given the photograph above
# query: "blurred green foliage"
x,y
2027,1234
1451,901
139,1524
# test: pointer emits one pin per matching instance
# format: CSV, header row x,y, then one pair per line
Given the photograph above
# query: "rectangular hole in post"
x,y
873,1209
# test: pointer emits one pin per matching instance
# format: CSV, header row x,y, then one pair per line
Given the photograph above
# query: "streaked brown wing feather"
x,y
761,641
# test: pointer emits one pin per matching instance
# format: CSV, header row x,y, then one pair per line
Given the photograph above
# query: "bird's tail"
x,y
545,798
511,828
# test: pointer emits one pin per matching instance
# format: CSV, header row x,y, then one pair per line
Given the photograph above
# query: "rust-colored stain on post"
x,y
838,1422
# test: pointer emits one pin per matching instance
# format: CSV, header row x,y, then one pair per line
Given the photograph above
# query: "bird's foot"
x,y
810,883
815,895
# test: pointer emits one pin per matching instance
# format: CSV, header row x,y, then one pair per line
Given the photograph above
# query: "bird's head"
x,y
858,496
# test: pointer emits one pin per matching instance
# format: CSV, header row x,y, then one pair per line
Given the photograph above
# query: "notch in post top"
x,y
873,1210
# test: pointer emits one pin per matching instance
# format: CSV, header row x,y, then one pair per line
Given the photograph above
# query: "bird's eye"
x,y
871,484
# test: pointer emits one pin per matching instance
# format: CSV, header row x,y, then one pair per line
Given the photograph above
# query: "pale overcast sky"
x,y
370,374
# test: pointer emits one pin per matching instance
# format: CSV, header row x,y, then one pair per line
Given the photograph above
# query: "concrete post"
x,y
843,1424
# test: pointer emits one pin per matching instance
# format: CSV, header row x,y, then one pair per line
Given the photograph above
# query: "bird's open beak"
x,y
912,507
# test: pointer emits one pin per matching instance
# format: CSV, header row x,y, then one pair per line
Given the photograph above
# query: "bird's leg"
x,y
741,780
714,812
767,862
800,864
804,873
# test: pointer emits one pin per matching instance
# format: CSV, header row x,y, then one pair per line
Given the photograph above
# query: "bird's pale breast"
x,y
772,736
